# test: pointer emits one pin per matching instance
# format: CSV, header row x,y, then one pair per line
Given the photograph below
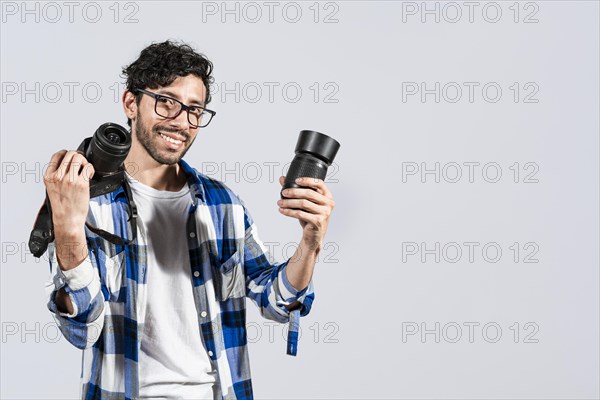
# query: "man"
x,y
164,316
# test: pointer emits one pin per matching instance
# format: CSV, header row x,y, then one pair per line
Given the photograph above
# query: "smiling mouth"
x,y
170,140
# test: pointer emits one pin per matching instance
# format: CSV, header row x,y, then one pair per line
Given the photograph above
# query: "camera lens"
x,y
314,154
113,137
108,148
114,133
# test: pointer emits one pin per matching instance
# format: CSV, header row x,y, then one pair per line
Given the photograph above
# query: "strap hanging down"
x,y
293,328
131,211
43,228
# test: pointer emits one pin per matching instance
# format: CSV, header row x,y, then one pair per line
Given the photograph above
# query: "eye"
x,y
196,110
164,100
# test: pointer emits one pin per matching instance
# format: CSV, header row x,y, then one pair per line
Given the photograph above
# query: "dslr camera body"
x,y
106,150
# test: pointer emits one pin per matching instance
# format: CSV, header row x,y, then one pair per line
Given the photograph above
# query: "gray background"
x,y
371,288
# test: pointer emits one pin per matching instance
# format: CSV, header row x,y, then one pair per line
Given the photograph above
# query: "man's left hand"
x,y
311,207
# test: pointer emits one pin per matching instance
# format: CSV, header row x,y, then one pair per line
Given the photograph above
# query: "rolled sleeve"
x,y
80,276
82,285
287,294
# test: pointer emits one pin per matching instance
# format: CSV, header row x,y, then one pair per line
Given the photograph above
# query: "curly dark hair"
x,y
161,63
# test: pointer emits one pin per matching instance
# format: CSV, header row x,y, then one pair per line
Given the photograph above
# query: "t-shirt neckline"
x,y
141,188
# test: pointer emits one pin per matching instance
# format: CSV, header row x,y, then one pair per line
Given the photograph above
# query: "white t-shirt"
x,y
173,362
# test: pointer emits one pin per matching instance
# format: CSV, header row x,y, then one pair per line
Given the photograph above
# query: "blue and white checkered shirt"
x,y
228,261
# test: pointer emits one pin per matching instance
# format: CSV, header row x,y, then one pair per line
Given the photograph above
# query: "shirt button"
x,y
203,314
210,353
192,234
196,274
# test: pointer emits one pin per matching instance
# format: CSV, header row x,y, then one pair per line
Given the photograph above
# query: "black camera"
x,y
106,150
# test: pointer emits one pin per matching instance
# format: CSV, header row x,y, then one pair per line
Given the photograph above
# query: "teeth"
x,y
168,139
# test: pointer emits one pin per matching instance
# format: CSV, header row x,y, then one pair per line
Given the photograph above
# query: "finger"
x,y
302,204
315,183
54,162
301,215
64,165
304,193
75,166
281,180
89,171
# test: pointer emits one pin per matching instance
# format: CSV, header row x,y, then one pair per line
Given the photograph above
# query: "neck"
x,y
141,166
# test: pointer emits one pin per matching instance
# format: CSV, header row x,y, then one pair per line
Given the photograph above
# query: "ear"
x,y
129,104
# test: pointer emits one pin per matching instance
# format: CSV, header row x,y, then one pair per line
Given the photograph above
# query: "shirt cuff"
x,y
288,292
286,295
76,278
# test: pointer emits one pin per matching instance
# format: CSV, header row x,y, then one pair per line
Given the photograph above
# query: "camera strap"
x,y
43,229
132,218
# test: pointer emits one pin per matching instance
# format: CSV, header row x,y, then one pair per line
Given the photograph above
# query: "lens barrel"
x,y
314,154
108,148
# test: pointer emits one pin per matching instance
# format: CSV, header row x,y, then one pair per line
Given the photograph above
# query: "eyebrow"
x,y
169,93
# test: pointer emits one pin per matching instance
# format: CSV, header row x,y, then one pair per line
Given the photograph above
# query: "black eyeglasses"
x,y
168,107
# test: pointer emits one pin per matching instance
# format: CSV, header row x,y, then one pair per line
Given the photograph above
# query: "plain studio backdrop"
x,y
461,259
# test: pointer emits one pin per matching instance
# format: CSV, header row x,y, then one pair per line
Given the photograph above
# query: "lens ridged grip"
x,y
304,165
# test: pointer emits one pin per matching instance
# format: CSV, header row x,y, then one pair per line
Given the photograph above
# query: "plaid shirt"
x,y
228,262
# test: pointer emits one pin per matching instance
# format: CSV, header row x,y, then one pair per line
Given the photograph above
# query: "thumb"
x,y
281,180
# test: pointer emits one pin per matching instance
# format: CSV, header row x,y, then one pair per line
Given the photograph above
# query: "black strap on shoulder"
x,y
131,211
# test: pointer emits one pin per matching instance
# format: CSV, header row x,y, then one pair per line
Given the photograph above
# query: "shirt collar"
x,y
194,181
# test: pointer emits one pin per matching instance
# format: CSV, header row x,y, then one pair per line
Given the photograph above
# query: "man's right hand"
x,y
67,181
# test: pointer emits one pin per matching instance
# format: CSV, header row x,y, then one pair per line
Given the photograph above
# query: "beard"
x,y
151,141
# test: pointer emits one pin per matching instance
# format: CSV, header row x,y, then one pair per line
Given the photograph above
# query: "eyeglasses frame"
x,y
184,107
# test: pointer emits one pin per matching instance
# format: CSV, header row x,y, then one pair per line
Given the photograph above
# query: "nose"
x,y
181,121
